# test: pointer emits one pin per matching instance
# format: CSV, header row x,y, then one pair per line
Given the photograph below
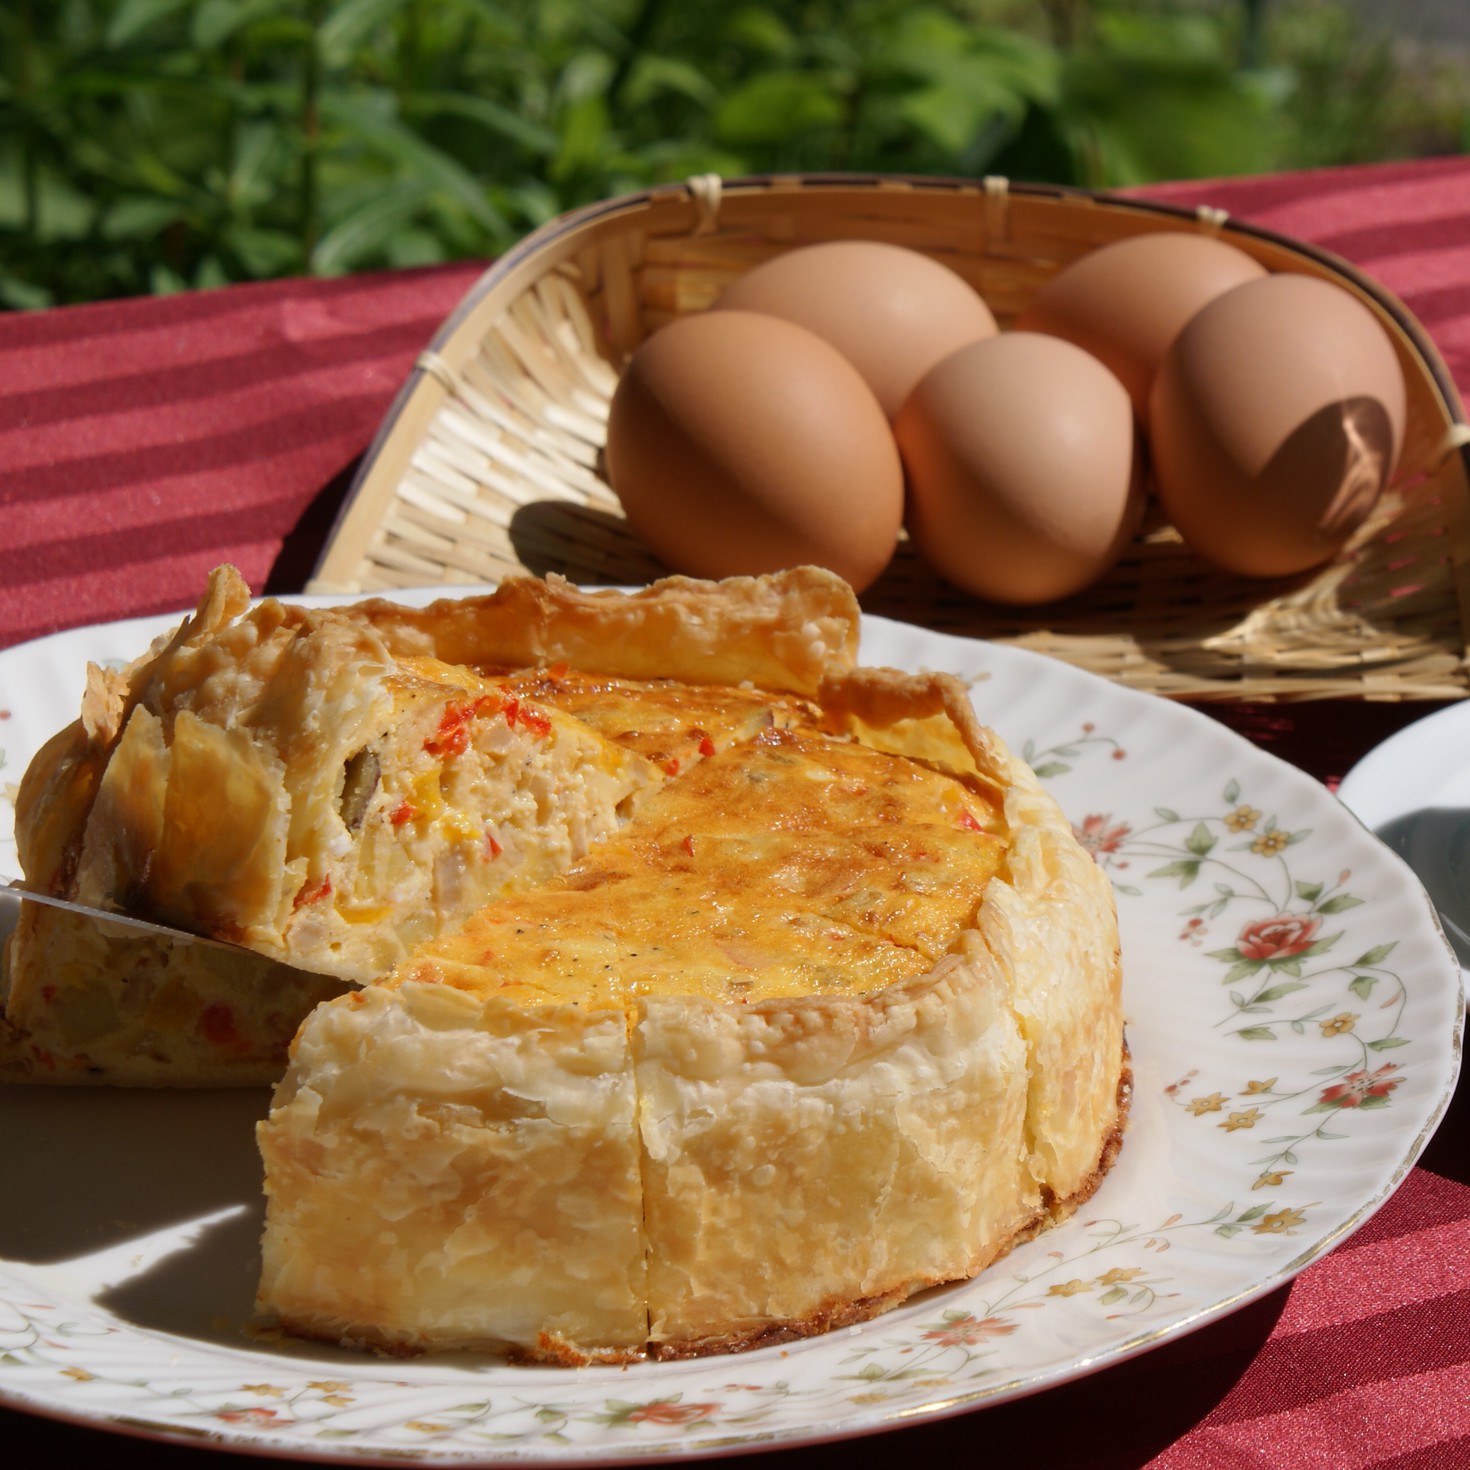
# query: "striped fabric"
x,y
143,442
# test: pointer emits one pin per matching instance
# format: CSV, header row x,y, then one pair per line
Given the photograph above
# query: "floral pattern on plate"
x,y
1294,1020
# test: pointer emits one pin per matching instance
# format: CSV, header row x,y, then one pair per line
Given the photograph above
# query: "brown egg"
x,y
1126,302
1276,420
1023,474
893,313
741,444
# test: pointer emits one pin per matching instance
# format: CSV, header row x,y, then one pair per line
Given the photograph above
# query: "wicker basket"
x,y
489,462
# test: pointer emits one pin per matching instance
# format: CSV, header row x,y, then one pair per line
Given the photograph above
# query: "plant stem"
x,y
25,88
311,126
1253,34
638,34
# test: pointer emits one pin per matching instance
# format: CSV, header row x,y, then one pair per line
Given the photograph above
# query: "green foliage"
x,y
154,145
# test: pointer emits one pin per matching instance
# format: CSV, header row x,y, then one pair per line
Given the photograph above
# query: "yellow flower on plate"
x,y
1073,1287
1246,1119
1278,1222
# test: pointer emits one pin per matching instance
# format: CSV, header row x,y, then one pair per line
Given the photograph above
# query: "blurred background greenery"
x,y
158,145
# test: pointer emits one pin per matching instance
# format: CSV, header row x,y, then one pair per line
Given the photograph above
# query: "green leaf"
x,y
584,137
210,274
1388,1043
1256,1033
1165,814
163,280
20,295
350,23
1310,892
654,77
216,21
1362,985
263,162
1377,955
133,17
1185,870
1241,971
264,253
1052,768
409,247
1201,840
1142,113
1232,793
139,217
1338,904
1320,946
371,125
1276,992
761,29
487,113
366,232
776,105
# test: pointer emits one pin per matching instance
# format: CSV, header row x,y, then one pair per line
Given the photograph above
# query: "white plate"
x,y
1413,790
1295,1022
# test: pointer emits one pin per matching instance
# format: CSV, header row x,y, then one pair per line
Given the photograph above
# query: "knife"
x,y
22,889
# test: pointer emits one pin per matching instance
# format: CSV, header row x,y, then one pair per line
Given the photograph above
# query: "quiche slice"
x,y
834,1018
326,789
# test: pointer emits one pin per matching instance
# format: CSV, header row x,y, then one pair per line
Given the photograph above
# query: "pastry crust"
x,y
805,1150
821,1008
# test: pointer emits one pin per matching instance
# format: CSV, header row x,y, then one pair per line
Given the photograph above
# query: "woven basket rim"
x,y
705,197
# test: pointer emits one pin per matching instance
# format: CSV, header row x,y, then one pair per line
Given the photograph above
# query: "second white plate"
x,y
1413,791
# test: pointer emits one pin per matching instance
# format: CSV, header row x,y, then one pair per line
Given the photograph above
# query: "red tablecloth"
x,y
143,442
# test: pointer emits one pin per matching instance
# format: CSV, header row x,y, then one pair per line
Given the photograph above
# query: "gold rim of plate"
x,y
489,462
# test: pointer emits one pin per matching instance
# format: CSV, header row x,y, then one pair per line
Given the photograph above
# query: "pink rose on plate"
x,y
1099,833
1278,938
1361,1089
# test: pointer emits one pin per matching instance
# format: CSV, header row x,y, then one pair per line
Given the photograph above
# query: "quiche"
x,y
667,983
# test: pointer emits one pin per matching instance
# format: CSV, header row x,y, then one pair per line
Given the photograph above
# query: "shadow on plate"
x,y
1435,842
87,1169
204,1288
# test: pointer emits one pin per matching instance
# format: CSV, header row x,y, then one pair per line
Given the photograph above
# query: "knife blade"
x,y
22,889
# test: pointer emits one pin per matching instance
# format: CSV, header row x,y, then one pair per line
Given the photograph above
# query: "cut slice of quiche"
x,y
327,788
